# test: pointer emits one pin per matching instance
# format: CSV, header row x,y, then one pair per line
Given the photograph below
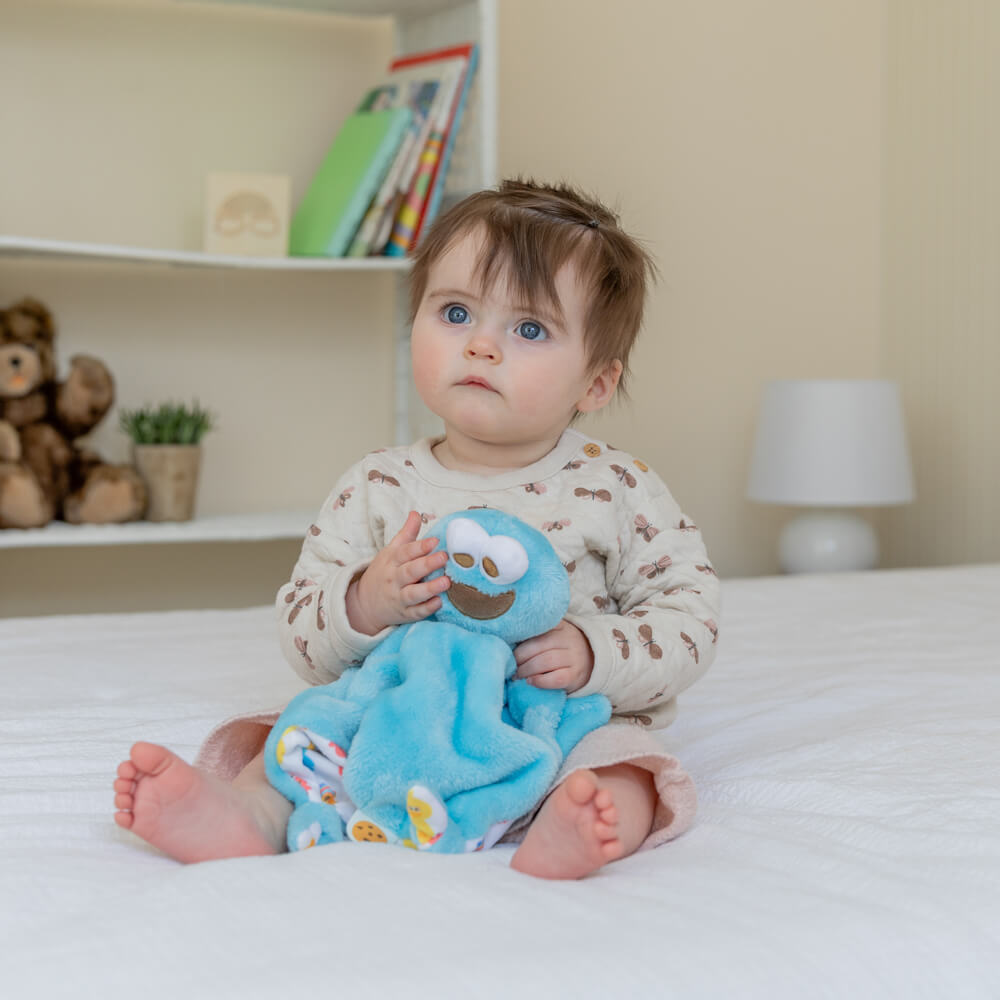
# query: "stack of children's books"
x,y
380,184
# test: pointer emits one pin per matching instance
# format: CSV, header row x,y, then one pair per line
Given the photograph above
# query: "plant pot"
x,y
171,475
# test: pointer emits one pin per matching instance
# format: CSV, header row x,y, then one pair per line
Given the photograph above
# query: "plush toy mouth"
x,y
475,604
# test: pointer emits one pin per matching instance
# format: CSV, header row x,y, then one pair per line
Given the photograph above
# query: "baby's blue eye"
x,y
457,314
530,330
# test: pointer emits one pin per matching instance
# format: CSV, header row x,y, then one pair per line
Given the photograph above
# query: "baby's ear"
x,y
602,387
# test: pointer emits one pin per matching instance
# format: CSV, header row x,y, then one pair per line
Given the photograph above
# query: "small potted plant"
x,y
166,443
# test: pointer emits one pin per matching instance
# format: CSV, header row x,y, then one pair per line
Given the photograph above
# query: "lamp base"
x,y
827,542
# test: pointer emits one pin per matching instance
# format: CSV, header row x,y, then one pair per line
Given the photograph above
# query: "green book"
x,y
350,175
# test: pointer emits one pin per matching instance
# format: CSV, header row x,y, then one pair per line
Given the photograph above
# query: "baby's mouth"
x,y
475,604
477,383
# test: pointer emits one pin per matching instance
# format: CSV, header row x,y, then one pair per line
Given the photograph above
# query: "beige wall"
x,y
742,139
942,271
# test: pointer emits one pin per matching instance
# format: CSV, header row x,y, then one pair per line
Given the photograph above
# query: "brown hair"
x,y
529,232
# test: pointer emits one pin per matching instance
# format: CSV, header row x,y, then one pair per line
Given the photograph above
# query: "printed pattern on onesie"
x,y
643,589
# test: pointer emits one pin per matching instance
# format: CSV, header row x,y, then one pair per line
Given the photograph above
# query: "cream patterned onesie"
x,y
643,590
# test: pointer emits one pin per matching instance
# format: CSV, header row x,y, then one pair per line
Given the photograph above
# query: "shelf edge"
x,y
30,246
272,526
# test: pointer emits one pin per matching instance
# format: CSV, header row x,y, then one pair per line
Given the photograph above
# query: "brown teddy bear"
x,y
44,474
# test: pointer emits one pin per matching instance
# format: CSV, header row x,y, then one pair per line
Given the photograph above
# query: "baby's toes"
x,y
603,798
605,831
124,820
612,850
608,814
124,806
127,770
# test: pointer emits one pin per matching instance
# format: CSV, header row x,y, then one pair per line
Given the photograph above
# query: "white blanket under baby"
x,y
846,747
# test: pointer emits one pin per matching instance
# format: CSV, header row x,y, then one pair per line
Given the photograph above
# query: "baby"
x,y
526,302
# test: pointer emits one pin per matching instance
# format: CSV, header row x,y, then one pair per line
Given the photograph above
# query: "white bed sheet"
x,y
845,747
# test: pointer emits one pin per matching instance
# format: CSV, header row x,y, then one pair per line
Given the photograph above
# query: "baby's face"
x,y
491,367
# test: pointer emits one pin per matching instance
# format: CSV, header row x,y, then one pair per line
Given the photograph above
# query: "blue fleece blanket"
x,y
431,742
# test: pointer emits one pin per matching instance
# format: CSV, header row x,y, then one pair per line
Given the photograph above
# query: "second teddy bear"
x,y
44,472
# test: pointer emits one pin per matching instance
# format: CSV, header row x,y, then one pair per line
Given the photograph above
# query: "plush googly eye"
x,y
504,559
466,541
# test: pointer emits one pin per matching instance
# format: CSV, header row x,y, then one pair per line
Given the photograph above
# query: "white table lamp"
x,y
830,444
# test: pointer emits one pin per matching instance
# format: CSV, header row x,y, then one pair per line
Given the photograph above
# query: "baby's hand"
x,y
561,658
390,591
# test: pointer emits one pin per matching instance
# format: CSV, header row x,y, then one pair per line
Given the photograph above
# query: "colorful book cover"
x,y
433,202
417,95
450,71
354,167
408,218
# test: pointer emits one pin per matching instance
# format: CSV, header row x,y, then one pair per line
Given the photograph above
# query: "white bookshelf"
x,y
263,527
66,250
416,25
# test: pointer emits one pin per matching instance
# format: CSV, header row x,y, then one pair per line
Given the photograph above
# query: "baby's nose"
x,y
482,348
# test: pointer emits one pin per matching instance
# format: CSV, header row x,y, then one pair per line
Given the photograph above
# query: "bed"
x,y
845,746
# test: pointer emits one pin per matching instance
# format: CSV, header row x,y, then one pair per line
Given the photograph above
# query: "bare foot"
x,y
188,814
574,833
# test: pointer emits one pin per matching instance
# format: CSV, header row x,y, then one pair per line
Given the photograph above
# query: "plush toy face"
x,y
506,579
26,348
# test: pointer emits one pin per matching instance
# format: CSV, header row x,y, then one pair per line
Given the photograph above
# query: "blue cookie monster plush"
x,y
431,742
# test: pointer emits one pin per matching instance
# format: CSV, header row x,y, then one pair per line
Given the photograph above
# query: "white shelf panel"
x,y
355,8
362,8
29,246
220,528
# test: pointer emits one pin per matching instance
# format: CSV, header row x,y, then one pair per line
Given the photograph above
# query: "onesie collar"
x,y
433,472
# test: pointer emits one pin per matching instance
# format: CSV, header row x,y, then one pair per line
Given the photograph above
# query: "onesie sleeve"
x,y
662,636
314,632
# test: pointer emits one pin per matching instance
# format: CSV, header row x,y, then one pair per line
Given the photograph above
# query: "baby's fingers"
x,y
423,600
408,533
408,551
426,590
418,612
560,678
540,662
416,569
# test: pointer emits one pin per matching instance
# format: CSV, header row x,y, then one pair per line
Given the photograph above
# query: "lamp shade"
x,y
831,443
